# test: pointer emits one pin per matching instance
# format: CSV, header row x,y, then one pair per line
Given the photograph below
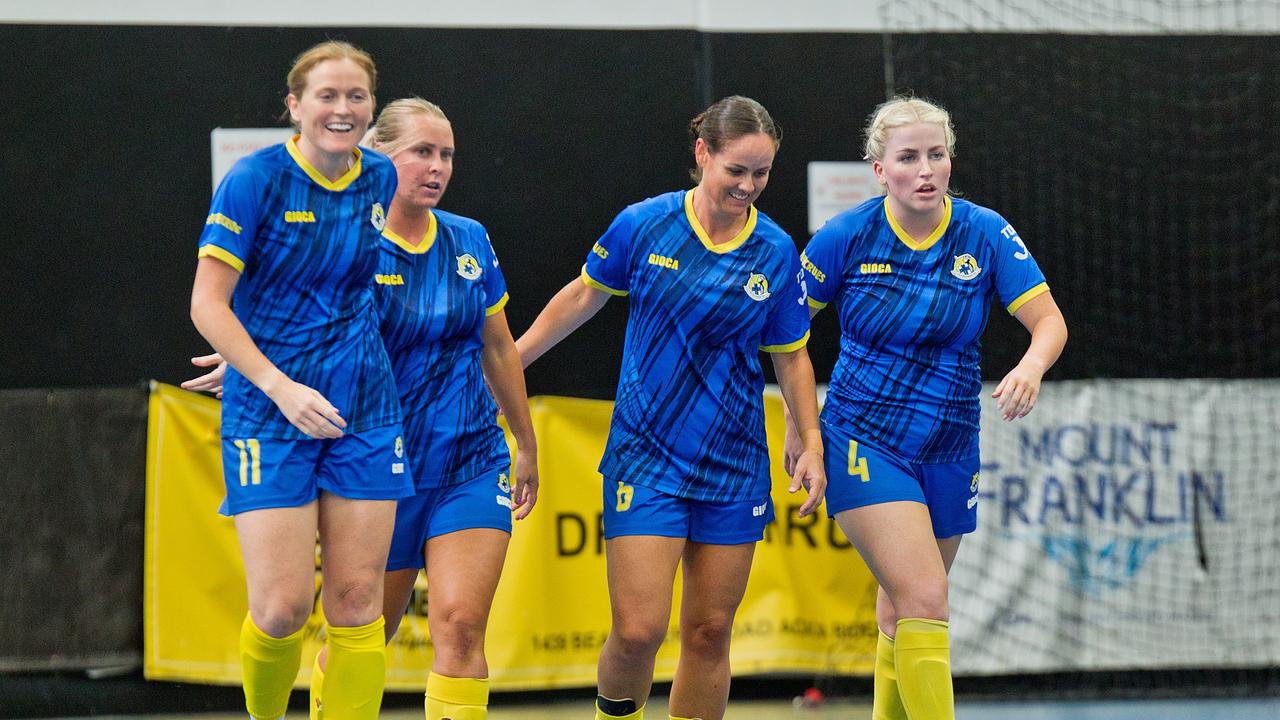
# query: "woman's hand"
x,y
525,488
809,473
210,382
306,409
1017,393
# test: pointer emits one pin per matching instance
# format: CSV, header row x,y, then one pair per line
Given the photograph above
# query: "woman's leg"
x,y
463,568
278,547
642,571
715,579
896,541
354,537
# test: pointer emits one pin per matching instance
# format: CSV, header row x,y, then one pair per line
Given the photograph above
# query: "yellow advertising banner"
x,y
809,606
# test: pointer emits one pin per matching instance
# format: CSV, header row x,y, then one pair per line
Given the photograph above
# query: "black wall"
x,y
1140,171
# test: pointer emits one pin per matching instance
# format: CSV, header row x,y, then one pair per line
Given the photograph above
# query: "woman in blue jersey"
x,y
440,298
310,419
711,283
912,274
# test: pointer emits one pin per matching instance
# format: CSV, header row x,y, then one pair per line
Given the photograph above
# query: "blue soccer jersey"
x,y
911,319
689,416
433,298
306,248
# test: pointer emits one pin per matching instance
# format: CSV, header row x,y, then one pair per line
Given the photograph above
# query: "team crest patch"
x,y
399,446
503,483
966,267
757,287
378,217
468,267
973,484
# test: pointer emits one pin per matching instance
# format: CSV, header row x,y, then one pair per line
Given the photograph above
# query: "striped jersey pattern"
x,y
307,250
689,417
911,320
433,297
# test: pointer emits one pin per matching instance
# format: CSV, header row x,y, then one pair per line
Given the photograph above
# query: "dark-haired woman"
x,y
711,282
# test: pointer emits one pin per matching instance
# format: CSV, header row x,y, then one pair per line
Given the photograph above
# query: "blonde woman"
x,y
912,275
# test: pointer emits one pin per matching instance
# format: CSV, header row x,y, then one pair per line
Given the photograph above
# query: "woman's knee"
x,y
353,603
919,600
281,616
638,637
458,632
707,636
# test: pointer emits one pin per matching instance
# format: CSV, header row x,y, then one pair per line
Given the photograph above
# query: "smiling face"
x,y
424,166
915,169
733,178
332,112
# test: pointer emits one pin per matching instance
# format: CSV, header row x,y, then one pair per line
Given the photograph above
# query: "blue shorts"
x,y
640,510
481,502
860,474
271,473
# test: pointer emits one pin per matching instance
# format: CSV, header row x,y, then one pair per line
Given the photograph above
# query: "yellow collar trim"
x,y
705,237
335,185
428,238
934,236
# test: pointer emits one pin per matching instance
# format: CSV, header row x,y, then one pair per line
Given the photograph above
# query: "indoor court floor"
x,y
1216,709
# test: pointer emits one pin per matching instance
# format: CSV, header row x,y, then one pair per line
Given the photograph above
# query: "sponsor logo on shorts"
x,y
759,510
397,468
972,501
505,501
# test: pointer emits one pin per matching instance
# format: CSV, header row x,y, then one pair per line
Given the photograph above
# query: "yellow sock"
x,y
637,714
270,666
922,657
357,669
886,702
450,698
316,711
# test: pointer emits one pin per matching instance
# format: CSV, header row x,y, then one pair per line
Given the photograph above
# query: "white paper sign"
x,y
228,145
837,186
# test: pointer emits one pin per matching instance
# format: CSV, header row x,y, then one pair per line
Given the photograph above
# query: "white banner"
x,y
1125,525
227,145
837,186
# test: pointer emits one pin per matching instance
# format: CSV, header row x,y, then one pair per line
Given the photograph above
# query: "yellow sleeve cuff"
x,y
1027,296
789,347
496,308
816,305
214,251
592,282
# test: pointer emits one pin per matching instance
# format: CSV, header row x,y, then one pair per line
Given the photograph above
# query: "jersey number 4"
x,y
857,465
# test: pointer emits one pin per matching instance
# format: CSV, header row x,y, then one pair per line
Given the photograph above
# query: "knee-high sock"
x,y
356,672
317,691
886,702
922,657
450,698
270,666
